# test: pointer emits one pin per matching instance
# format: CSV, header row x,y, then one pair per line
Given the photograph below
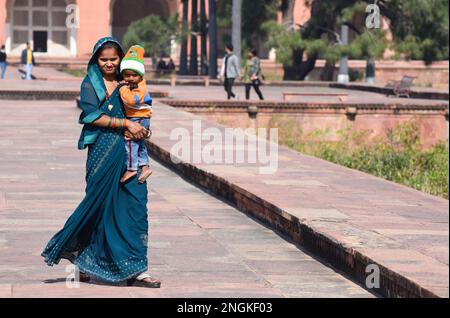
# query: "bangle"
x,y
125,123
110,121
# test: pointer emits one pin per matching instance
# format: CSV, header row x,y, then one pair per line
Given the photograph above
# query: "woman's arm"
x,y
92,115
136,130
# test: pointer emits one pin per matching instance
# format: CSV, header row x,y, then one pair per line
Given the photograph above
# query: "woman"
x,y
252,74
106,236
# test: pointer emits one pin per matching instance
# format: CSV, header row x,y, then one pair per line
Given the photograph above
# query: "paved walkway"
x,y
199,246
271,93
401,229
275,93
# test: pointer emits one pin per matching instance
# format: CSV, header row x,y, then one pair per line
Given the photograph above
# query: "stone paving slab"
x,y
357,219
198,245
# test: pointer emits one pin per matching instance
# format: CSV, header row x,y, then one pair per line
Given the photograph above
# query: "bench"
x,y
400,88
204,79
287,96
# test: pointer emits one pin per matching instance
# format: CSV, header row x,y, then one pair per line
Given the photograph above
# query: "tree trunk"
x,y
193,70
212,39
204,42
327,74
184,39
237,27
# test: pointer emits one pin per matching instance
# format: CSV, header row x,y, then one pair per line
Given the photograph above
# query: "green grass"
x,y
399,157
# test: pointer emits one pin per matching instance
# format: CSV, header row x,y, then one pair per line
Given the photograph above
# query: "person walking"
x,y
230,70
107,235
252,74
3,62
27,59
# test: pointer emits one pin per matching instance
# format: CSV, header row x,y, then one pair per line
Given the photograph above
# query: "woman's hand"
x,y
128,136
135,130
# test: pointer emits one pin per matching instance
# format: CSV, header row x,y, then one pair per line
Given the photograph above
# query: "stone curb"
x,y
343,258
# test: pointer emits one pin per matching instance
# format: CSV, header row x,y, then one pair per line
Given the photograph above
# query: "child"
x,y
138,108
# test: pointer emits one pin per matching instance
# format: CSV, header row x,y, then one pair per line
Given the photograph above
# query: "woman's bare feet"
x,y
128,175
146,172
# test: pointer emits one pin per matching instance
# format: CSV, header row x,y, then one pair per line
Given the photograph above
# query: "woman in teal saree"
x,y
106,236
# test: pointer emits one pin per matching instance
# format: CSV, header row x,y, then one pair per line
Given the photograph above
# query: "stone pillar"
x,y
343,76
253,117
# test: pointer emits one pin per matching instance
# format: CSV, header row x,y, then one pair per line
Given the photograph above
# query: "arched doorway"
x,y
124,12
40,22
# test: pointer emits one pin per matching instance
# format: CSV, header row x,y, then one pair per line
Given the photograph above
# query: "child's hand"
x,y
123,82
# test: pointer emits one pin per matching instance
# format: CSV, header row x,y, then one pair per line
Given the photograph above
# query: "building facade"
x,y
69,28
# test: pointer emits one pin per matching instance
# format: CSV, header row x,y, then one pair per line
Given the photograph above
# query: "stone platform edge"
x,y
348,260
55,95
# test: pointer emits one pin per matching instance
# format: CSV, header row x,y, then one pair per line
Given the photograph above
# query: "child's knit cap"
x,y
134,60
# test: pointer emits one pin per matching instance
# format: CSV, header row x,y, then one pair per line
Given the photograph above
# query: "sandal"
x,y
144,280
84,278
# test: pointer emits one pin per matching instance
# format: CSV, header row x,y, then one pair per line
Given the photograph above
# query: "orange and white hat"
x,y
134,60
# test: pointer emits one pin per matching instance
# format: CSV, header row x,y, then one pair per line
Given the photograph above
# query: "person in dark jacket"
x,y
27,59
3,61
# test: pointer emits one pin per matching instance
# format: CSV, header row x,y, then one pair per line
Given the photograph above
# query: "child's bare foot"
x,y
146,172
128,175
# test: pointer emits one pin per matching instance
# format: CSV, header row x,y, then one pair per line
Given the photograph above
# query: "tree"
x,y
212,39
419,28
193,70
153,33
204,41
254,15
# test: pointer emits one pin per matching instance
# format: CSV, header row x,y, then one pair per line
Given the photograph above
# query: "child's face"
x,y
131,77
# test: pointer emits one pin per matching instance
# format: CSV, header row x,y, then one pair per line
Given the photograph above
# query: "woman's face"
x,y
108,61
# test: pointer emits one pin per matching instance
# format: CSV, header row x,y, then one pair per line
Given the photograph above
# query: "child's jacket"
x,y
137,101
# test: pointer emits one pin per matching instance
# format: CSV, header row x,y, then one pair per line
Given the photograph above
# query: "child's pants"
x,y
137,155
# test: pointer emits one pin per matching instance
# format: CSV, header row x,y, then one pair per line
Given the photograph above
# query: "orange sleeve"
x,y
133,97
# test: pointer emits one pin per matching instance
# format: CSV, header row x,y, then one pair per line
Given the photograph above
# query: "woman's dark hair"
x,y
110,45
254,52
230,47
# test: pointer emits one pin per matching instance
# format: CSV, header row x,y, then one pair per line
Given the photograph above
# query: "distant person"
x,y
3,61
27,59
252,74
161,66
171,65
230,70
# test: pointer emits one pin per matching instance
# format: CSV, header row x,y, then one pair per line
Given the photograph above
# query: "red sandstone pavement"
x,y
198,245
40,73
400,228
65,82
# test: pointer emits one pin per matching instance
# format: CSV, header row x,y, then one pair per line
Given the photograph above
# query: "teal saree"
x,y
106,236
